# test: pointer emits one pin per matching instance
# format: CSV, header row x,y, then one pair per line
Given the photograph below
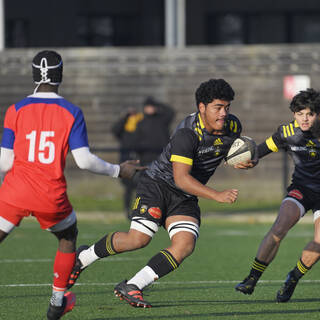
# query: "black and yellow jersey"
x,y
304,149
190,143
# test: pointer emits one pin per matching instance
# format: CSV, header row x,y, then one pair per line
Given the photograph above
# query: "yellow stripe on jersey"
x,y
288,130
296,124
291,127
175,158
284,131
271,145
200,120
198,130
235,126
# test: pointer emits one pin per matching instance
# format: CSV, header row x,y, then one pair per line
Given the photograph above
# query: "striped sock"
x,y
104,248
163,263
258,268
300,270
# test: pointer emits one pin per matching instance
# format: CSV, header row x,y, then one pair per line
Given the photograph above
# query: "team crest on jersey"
x,y
295,193
313,153
217,143
155,212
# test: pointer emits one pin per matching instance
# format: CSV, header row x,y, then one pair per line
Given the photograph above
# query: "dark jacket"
x,y
153,133
124,130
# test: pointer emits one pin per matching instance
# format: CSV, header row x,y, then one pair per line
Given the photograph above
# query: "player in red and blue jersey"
x,y
38,132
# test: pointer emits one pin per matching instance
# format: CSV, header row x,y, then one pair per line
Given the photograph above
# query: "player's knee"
x,y
138,240
181,249
278,232
187,248
69,234
313,246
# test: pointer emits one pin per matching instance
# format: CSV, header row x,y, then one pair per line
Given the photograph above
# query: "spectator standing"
x,y
124,130
153,131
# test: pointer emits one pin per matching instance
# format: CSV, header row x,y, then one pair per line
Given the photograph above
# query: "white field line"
x,y
111,259
108,284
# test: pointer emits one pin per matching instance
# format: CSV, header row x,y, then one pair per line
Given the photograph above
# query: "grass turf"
x,y
201,288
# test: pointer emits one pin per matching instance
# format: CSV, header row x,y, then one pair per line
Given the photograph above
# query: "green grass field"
x,y
202,287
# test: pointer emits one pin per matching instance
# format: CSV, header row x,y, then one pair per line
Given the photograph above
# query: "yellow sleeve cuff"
x,y
175,158
271,145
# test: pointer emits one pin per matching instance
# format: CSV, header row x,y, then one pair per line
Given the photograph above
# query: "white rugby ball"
x,y
241,150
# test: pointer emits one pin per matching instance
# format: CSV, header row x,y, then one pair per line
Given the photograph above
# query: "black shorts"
x,y
156,201
307,197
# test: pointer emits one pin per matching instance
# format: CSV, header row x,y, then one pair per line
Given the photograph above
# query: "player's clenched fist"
x,y
227,196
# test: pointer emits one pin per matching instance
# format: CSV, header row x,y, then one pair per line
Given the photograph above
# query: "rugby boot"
x,y
55,313
131,294
287,289
77,269
247,285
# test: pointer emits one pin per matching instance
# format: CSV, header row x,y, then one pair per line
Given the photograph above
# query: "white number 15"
x,y
43,145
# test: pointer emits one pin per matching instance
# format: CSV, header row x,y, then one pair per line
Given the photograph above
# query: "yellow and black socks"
x,y
257,269
104,247
163,263
158,266
300,270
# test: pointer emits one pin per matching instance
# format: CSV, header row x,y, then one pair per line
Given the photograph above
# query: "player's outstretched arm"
x,y
88,161
189,184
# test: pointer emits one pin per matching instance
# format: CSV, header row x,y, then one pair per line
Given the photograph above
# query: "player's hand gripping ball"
x,y
241,150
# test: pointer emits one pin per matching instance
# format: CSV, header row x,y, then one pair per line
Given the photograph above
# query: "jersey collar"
x,y
50,95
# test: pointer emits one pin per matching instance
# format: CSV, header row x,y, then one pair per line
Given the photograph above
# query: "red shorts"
x,y
45,219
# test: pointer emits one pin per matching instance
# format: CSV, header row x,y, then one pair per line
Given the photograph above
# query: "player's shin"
x,y
101,249
158,266
62,268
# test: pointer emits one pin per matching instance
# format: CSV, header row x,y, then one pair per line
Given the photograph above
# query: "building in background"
x,y
76,23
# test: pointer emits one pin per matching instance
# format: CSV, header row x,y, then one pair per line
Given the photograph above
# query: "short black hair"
x,y
47,67
149,101
214,89
309,98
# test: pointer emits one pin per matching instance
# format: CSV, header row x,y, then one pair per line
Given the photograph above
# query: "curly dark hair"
x,y
214,89
309,98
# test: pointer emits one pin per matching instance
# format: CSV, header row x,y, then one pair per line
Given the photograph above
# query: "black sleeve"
x,y
271,144
183,146
263,150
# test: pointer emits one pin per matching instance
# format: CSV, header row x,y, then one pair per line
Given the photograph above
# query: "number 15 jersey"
x,y
40,129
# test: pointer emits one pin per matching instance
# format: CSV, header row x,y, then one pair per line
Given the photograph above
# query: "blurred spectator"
x,y
124,130
153,131
142,135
